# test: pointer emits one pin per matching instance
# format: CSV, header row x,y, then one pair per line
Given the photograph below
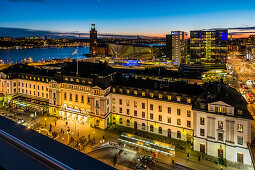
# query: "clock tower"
x,y
93,39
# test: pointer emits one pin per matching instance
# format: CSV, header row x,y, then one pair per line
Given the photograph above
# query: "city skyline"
x,y
123,18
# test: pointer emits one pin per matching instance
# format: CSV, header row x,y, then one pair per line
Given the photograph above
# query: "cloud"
x,y
23,32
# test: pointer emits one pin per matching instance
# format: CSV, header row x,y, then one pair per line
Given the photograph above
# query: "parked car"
x,y
147,159
20,121
141,167
4,114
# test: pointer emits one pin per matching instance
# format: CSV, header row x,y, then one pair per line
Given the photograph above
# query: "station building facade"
x,y
201,114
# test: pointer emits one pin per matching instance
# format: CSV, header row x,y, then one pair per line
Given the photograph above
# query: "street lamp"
x,y
45,121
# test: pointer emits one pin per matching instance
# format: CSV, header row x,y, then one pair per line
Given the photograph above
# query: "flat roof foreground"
x,y
55,149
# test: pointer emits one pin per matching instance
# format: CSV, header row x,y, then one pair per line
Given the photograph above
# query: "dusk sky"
x,y
144,17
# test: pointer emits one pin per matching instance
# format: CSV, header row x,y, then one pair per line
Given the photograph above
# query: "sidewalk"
x,y
85,130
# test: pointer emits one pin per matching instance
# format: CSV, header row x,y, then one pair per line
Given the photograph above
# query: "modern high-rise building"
x,y
93,39
251,39
176,47
209,45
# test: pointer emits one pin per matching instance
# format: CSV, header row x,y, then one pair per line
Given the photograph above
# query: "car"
x,y
147,159
141,167
4,114
20,121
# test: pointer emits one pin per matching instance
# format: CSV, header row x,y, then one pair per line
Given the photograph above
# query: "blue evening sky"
x,y
147,17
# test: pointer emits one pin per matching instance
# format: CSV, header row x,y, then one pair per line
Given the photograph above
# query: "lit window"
x,y
143,93
240,128
178,99
160,96
113,90
202,121
220,124
169,97
113,100
135,92
128,91
151,94
127,102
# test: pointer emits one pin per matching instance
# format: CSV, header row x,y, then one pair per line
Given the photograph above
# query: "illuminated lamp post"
x,y
45,121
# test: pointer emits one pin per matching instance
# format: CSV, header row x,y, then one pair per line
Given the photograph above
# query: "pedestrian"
x,y
66,123
199,158
187,156
55,123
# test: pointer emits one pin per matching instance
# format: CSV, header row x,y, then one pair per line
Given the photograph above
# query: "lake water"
x,y
38,54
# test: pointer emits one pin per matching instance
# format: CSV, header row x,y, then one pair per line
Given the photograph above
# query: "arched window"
x,y
128,122
143,126
178,134
160,130
151,128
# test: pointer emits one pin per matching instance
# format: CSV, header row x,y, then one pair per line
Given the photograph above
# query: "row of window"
x,y
220,125
34,78
160,96
30,93
160,131
160,110
30,86
76,99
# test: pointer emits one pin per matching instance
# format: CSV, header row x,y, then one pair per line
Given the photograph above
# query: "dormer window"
x,y
120,90
128,91
135,92
151,94
113,90
77,80
188,100
178,98
160,96
239,112
143,93
169,97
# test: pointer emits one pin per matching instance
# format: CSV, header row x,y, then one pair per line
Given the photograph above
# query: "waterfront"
x,y
39,54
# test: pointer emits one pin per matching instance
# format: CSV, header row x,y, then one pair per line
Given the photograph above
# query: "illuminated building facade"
x,y
212,117
176,47
208,45
93,39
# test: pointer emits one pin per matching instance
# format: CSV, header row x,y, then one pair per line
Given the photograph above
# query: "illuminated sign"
x,y
73,110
